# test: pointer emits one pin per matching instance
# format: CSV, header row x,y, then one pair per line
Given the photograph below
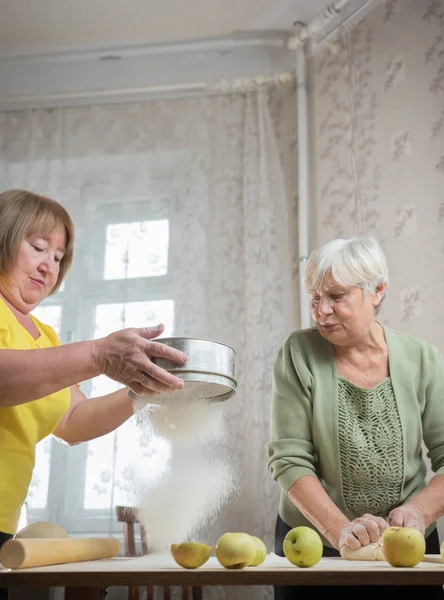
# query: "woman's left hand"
x,y
407,516
361,531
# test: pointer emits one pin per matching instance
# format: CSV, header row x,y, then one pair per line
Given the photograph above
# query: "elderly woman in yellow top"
x,y
353,403
39,392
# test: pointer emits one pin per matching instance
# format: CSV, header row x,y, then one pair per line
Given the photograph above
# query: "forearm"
x,y
96,417
27,375
308,495
430,500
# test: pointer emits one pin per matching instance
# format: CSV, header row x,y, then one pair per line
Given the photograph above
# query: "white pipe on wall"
x,y
303,180
298,43
338,15
333,11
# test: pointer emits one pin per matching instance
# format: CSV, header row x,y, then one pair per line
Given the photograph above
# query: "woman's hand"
x,y
407,516
126,356
361,531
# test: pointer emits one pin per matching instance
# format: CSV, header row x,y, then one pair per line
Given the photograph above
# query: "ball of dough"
x,y
42,529
372,551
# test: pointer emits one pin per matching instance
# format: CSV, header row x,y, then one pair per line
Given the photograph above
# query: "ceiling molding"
x,y
97,76
240,39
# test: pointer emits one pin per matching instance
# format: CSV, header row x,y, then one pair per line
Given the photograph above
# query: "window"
x,y
136,249
121,277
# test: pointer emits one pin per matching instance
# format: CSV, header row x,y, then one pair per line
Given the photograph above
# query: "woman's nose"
x,y
47,265
325,307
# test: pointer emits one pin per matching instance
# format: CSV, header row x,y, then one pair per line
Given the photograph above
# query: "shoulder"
x,y
305,357
306,341
305,347
6,315
413,349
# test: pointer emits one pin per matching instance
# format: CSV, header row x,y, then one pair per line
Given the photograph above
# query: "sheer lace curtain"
x,y
185,213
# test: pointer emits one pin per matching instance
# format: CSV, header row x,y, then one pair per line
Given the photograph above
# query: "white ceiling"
x,y
40,26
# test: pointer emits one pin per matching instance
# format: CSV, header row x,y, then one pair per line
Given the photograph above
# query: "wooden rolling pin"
x,y
40,552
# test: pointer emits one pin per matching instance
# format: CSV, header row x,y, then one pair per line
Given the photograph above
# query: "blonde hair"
x,y
356,261
23,213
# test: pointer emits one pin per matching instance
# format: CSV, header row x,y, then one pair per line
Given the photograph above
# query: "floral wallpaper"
x,y
378,125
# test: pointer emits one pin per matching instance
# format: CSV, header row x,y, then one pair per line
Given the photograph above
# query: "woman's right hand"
x,y
126,356
361,532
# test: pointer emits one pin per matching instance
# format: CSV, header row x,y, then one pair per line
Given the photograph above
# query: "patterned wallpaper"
x,y
377,110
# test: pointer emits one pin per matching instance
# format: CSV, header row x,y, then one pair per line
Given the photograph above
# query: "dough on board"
x,y
372,551
42,529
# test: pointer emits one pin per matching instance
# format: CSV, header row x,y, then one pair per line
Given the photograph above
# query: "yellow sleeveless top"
x,y
23,426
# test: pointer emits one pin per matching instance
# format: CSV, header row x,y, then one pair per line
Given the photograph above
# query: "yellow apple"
x,y
191,555
261,552
403,546
235,550
303,546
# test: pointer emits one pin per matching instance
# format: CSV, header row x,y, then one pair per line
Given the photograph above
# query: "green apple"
x,y
303,546
403,546
261,552
235,550
191,555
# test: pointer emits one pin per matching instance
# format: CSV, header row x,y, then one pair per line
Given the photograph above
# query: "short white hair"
x,y
352,262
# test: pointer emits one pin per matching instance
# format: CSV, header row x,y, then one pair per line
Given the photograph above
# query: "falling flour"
x,y
200,477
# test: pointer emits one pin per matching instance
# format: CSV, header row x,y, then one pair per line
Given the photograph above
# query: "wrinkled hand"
x,y
126,356
361,532
407,516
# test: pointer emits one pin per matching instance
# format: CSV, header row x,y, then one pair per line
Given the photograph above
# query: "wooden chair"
x,y
129,517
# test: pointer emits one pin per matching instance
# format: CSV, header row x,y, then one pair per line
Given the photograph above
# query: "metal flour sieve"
x,y
209,373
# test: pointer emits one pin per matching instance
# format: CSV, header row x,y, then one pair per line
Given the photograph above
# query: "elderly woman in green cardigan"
x,y
354,402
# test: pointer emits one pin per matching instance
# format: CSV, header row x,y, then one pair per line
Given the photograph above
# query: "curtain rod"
x,y
223,85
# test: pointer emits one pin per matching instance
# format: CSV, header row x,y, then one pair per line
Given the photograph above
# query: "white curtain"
x,y
224,167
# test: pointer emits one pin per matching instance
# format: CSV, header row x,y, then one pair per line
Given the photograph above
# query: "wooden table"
x,y
87,580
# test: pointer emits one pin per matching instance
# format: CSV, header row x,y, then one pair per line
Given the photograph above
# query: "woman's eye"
x,y
38,249
315,301
337,296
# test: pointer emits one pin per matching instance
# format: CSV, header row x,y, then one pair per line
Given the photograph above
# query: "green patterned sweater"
x,y
364,445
